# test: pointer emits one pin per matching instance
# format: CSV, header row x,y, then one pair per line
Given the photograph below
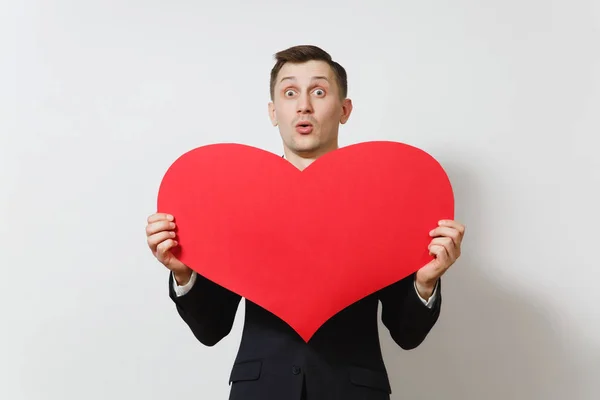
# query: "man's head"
x,y
308,88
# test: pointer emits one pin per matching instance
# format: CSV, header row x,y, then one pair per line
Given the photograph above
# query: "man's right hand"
x,y
161,237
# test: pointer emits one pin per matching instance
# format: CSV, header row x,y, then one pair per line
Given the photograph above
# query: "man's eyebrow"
x,y
293,78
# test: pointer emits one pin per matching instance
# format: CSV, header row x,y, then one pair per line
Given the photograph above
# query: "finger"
x,y
159,226
443,231
160,216
165,246
440,254
157,238
452,224
447,242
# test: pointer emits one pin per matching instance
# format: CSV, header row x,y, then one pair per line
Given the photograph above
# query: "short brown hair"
x,y
304,53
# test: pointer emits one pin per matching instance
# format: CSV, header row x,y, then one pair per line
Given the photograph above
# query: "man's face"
x,y
308,94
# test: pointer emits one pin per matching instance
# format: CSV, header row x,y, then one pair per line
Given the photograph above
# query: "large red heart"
x,y
306,244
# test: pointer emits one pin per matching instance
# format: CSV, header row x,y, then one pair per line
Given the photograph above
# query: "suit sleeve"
x,y
403,313
207,308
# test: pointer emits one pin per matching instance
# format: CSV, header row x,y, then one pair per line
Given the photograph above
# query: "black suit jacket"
x,y
342,360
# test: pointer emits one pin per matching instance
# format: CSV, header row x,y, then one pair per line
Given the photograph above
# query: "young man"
x,y
343,359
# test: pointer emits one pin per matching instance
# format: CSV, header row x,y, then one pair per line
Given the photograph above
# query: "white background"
x,y
98,98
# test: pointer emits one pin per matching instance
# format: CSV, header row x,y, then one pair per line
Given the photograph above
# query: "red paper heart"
x,y
306,244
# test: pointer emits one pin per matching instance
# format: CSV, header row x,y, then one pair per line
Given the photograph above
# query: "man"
x,y
343,359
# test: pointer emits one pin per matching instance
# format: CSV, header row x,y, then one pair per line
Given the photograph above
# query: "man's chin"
x,y
312,151
305,143
307,147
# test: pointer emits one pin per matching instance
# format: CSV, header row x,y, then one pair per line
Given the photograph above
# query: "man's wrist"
x,y
182,278
425,288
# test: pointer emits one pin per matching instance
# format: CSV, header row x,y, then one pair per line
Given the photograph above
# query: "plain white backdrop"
x,y
98,98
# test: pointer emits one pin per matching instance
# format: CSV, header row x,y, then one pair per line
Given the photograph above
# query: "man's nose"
x,y
304,105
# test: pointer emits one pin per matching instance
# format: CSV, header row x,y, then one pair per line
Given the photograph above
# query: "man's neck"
x,y
302,161
298,161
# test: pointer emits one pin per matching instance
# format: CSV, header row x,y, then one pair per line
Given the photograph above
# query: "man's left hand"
x,y
445,246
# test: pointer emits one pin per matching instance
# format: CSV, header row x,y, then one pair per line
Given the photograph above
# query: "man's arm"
x,y
207,308
409,317
405,313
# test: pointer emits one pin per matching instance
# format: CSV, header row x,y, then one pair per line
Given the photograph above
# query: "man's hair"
x,y
304,53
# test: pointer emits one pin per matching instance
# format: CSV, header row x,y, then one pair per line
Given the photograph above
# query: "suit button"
x,y
295,370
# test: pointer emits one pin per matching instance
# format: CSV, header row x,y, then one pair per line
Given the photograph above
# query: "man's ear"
x,y
346,110
272,114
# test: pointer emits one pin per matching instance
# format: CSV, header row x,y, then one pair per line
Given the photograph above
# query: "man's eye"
x,y
320,92
289,92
